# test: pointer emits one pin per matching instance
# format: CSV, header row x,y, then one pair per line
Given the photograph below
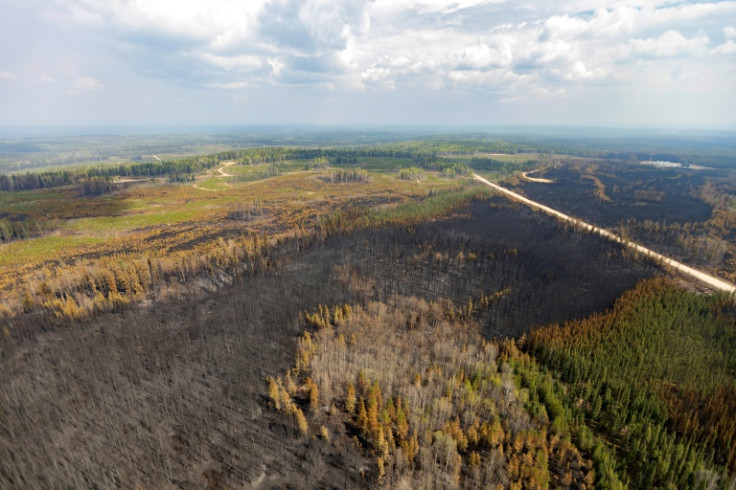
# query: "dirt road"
x,y
536,179
714,282
221,170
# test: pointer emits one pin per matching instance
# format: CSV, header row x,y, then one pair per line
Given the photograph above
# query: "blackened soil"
x,y
172,395
635,192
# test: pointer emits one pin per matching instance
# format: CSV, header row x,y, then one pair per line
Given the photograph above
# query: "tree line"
x,y
186,168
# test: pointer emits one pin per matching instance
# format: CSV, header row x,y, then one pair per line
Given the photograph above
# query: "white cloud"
x,y
525,49
483,56
231,85
378,77
46,79
729,47
220,22
578,71
6,75
669,44
85,84
240,62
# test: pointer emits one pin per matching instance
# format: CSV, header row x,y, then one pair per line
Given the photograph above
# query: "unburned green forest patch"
x,y
655,378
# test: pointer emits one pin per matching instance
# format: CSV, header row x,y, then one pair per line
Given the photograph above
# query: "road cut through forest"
x,y
712,281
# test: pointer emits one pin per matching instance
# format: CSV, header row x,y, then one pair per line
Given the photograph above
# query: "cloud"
x,y
378,77
85,84
231,85
484,56
6,75
513,49
729,47
670,44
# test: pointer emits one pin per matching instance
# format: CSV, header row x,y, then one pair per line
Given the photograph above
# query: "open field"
x,y
167,220
501,157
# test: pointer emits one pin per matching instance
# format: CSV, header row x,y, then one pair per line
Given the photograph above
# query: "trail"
x,y
536,179
712,281
129,180
218,170
221,170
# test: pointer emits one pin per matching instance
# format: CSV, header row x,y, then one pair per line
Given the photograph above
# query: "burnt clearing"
x,y
631,191
172,395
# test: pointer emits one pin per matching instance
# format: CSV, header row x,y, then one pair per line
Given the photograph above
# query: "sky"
x,y
627,63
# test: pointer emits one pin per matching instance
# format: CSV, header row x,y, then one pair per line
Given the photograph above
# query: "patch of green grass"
x,y
432,206
374,164
382,164
501,157
70,167
247,170
81,224
250,173
490,175
9,198
435,205
307,164
106,225
213,184
43,248
58,203
517,158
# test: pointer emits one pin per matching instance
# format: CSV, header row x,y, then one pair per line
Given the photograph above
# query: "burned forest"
x,y
173,393
365,318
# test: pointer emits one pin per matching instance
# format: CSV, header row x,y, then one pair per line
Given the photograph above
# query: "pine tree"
x,y
362,417
273,393
313,394
301,421
350,399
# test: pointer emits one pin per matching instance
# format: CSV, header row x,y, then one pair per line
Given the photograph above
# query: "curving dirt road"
x,y
221,170
218,172
536,179
712,281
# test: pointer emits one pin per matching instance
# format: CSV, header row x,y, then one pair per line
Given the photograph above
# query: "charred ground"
x,y
173,394
684,212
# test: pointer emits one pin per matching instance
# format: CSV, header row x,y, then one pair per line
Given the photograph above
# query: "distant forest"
x,y
713,151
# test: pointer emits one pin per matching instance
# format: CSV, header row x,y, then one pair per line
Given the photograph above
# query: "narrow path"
x,y
221,170
712,281
536,179
129,180
211,174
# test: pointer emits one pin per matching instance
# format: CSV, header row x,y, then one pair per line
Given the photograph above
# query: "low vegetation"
x,y
151,240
